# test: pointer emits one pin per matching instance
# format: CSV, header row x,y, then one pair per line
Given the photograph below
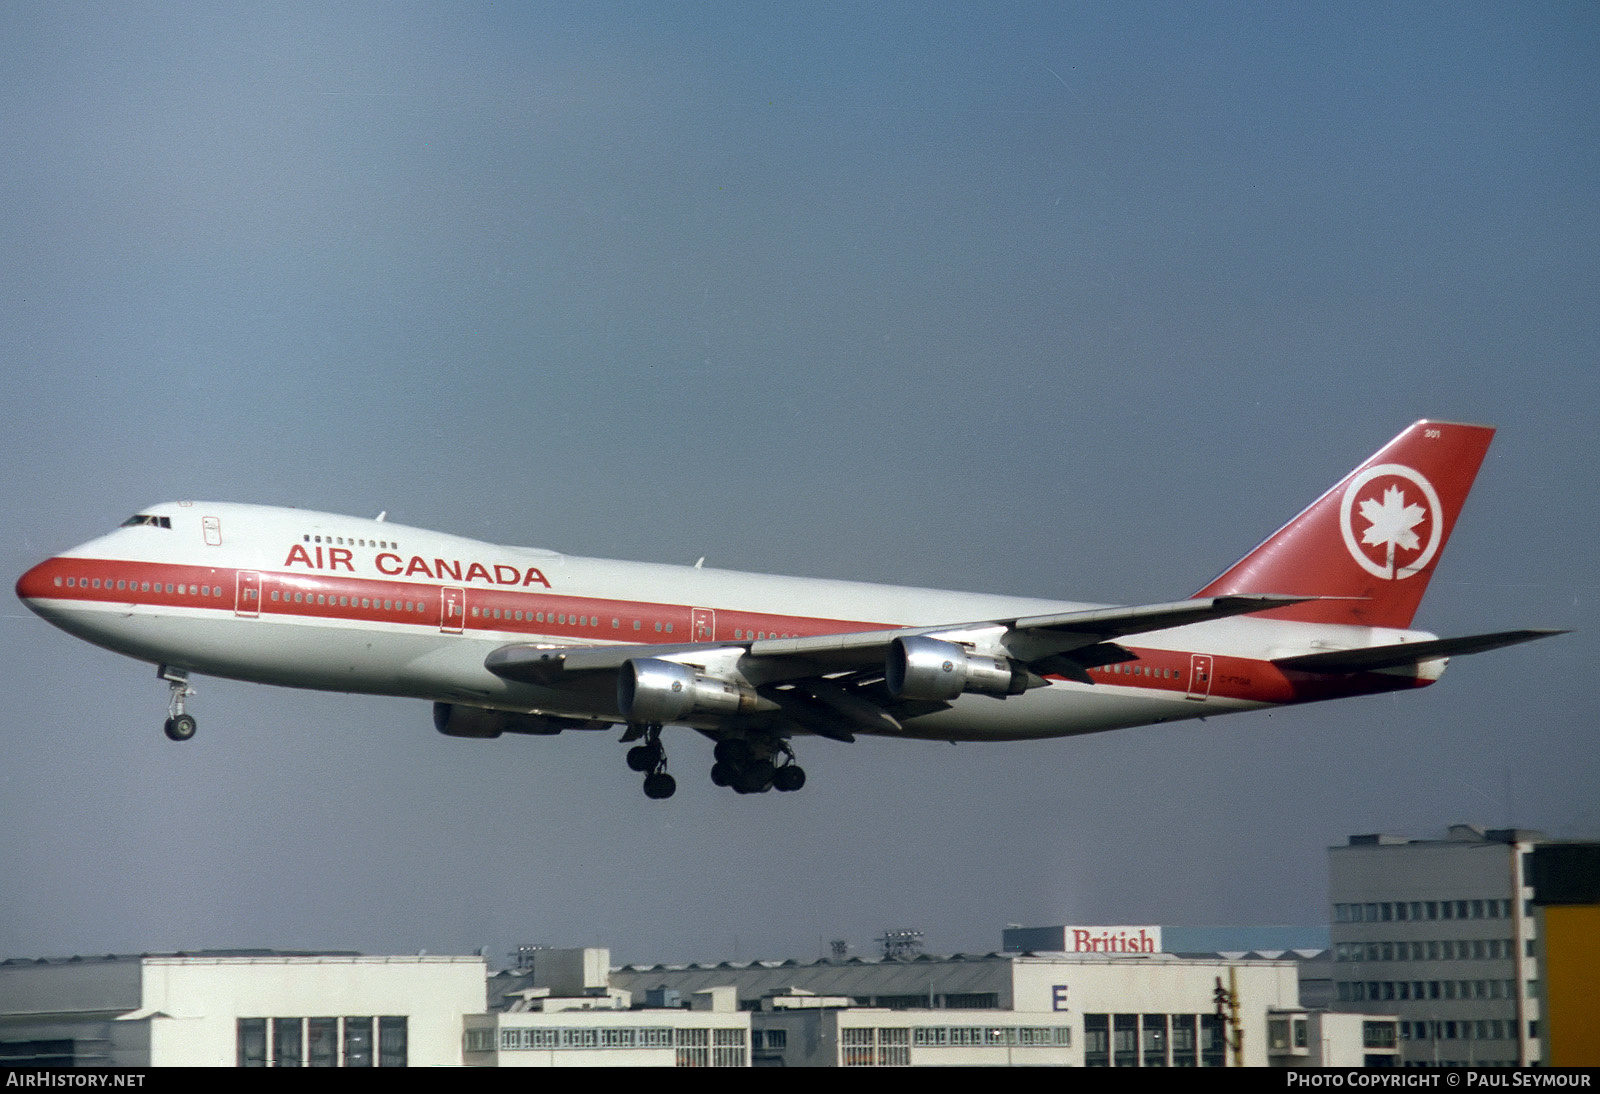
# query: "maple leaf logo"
x,y
1390,524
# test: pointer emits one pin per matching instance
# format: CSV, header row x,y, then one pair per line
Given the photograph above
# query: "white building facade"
x,y
232,1010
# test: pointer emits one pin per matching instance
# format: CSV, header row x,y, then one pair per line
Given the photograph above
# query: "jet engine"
x,y
926,668
652,690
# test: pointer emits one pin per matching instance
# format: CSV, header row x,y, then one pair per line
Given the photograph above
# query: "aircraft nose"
x,y
38,583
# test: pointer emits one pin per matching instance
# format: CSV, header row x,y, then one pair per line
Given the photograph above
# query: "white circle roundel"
x,y
1394,513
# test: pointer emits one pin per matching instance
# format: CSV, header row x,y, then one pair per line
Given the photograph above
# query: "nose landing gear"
x,y
180,726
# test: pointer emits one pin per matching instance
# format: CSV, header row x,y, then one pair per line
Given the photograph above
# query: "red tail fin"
x,y
1375,537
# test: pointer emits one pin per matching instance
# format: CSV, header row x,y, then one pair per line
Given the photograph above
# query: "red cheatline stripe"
x,y
96,580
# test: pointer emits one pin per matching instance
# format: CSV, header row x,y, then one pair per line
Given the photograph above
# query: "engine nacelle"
x,y
456,720
926,668
652,690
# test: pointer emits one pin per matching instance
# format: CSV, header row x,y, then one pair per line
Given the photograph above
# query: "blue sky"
x,y
1058,300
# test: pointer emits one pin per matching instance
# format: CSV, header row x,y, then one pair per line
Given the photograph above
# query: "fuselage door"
x,y
212,527
1199,676
247,593
704,624
453,610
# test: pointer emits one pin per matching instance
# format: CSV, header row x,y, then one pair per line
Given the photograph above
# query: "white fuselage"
x,y
313,600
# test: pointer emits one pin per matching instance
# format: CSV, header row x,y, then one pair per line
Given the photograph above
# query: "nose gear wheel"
x,y
179,726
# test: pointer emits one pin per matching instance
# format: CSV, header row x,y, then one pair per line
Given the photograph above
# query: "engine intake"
x,y
652,690
926,668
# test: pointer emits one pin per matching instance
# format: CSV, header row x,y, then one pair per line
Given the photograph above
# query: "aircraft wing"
x,y
1066,643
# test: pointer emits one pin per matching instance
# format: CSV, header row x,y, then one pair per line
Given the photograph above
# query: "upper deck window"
x,y
145,518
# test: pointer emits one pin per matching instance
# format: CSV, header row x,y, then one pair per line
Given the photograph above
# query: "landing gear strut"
x,y
754,767
180,726
651,759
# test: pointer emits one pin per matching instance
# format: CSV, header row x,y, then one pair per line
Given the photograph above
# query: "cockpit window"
x,y
145,518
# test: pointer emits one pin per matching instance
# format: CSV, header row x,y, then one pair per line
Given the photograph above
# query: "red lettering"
x,y
297,553
475,572
533,576
319,558
417,566
338,556
382,569
452,567
500,573
1082,940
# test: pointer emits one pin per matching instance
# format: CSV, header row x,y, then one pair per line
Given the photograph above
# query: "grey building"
x,y
1439,933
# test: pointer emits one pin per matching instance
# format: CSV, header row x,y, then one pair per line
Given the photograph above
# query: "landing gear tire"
x,y
643,758
789,777
660,786
722,774
181,727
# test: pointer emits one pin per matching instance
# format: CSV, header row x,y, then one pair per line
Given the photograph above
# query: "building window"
x,y
1153,1038
1125,1040
972,1000
1183,1040
1378,1035
392,1040
252,1042
358,1042
693,1047
858,1047
727,1048
322,1042
1212,1043
1097,1040
286,1042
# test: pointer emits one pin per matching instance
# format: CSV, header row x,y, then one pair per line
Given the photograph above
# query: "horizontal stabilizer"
x,y
1407,653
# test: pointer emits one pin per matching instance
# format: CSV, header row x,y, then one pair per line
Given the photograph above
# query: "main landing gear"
x,y
750,765
651,759
756,766
180,726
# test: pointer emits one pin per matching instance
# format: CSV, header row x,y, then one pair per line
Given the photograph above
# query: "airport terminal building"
x,y
570,1008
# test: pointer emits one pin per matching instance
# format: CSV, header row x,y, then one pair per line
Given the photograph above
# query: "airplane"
x,y
513,640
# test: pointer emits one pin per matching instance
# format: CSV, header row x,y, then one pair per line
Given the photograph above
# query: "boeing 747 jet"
x,y
512,640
